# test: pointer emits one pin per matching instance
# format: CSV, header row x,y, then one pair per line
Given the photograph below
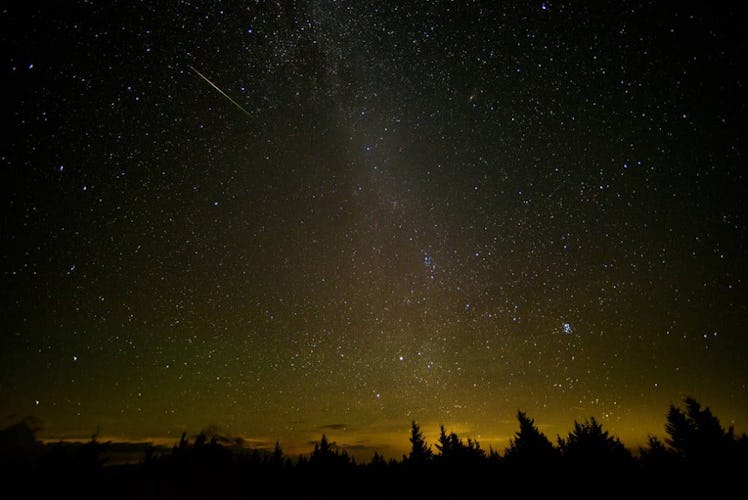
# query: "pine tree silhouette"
x,y
589,445
420,451
324,455
453,451
530,446
696,435
276,457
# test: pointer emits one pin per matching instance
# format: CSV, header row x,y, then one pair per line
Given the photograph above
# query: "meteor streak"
x,y
219,90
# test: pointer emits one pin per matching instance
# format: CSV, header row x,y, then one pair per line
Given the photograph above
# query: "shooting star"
x,y
219,90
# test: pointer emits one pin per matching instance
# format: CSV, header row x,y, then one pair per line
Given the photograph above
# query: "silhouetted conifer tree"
x,y
446,444
695,433
276,457
324,454
589,445
420,451
321,449
181,446
452,450
378,461
530,446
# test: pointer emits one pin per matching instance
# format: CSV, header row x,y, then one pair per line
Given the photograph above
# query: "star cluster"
x,y
441,211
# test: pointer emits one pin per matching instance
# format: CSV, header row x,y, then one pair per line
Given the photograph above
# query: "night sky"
x,y
288,219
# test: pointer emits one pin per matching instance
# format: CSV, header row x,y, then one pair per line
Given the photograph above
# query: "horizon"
x,y
392,444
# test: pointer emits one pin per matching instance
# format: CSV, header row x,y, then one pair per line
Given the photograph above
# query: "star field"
x,y
440,211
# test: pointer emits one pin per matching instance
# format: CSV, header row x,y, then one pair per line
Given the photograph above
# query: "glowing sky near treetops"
x,y
440,211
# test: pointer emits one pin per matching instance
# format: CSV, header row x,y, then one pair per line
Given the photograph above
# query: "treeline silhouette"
x,y
697,452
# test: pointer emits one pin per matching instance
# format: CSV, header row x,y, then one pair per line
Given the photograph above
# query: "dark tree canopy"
x,y
696,447
529,445
453,450
420,451
588,444
695,434
325,454
18,442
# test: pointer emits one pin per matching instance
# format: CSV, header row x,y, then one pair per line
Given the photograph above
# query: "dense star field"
x,y
290,218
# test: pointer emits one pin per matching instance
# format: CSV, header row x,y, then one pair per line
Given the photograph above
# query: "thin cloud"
x,y
333,427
